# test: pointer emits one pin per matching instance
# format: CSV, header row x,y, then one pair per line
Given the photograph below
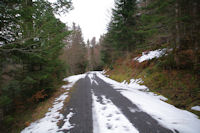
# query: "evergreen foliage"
x,y
150,24
121,31
31,40
121,28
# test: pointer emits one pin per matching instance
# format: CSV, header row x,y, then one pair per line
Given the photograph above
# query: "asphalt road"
x,y
81,104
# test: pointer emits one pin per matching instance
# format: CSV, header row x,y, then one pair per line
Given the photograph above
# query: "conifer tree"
x,y
121,31
122,25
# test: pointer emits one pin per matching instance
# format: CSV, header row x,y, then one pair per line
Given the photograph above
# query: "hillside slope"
x,y
180,86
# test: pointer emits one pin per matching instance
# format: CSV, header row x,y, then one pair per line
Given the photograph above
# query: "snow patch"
x,y
67,125
107,118
197,108
151,54
135,83
104,71
133,110
91,76
74,78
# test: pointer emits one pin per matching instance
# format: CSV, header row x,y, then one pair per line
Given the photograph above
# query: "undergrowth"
x,y
37,111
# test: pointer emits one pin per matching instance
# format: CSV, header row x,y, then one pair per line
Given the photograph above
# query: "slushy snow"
x,y
107,118
167,115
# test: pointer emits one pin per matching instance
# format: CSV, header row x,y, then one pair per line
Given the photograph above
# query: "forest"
x,y
37,50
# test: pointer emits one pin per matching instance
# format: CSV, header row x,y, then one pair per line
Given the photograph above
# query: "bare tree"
x,y
74,54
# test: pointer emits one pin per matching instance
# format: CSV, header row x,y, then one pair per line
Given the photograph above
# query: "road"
x,y
94,103
81,103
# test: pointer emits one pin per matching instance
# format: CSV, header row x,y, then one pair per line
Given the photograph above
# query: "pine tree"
x,y
121,36
122,25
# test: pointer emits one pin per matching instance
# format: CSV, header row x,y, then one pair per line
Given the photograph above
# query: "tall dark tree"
x,y
122,26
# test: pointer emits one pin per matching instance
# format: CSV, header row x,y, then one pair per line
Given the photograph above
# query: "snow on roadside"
x,y
73,79
48,124
196,108
151,54
107,118
166,114
135,83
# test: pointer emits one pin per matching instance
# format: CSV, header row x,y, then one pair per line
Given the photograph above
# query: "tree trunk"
x,y
177,38
177,26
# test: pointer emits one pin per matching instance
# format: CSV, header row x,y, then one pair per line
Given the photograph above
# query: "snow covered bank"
x,y
135,83
48,124
166,114
151,54
107,118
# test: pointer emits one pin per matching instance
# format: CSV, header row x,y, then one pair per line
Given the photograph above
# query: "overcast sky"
x,y
92,16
